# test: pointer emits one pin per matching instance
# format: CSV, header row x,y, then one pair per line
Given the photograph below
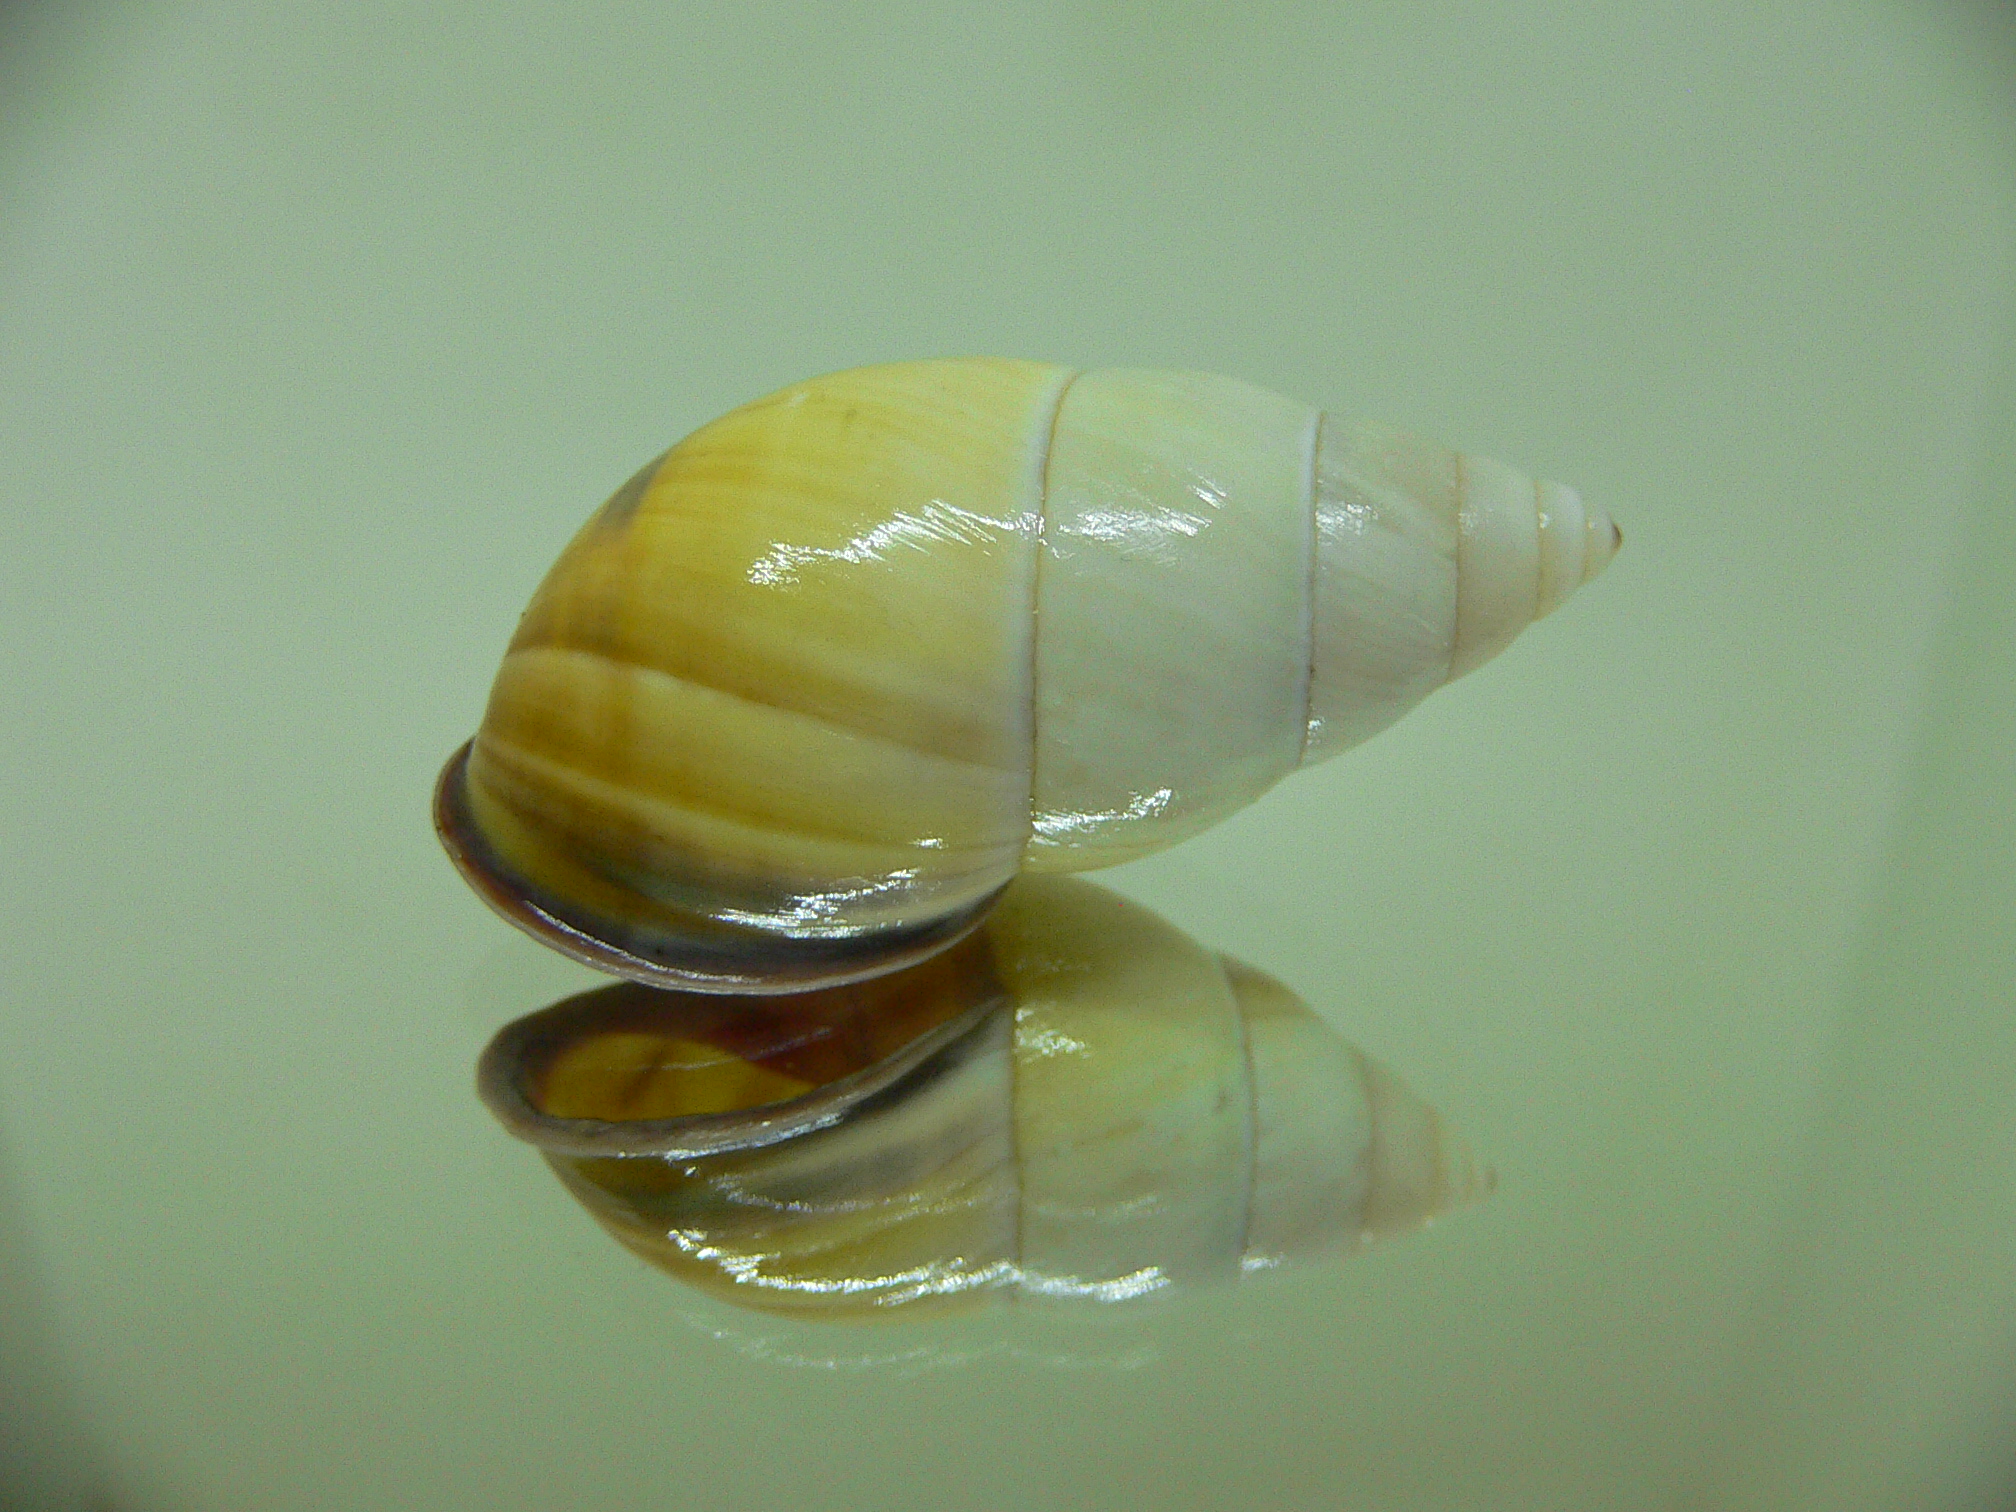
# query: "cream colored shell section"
x,y
852,655
1173,611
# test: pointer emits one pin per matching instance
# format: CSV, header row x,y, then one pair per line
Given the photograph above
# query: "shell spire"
x,y
1429,562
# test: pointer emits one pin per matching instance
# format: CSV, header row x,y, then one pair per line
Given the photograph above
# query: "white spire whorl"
x,y
1522,546
1384,603
1427,564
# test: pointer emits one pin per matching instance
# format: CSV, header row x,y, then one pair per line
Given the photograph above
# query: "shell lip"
x,y
501,1075
760,961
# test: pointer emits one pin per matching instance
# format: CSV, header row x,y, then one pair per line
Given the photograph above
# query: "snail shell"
x,y
814,685
1089,1105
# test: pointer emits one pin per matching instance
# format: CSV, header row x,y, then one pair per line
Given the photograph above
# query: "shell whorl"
x,y
846,659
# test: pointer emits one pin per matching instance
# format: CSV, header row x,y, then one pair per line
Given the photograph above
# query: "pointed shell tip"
x,y
1606,539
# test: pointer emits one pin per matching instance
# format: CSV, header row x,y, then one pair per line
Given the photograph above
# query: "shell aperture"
x,y
1091,1106
812,688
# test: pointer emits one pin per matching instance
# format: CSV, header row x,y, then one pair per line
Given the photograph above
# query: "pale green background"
x,y
322,325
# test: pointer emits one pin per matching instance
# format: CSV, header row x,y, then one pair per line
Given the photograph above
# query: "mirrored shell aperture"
x,y
814,686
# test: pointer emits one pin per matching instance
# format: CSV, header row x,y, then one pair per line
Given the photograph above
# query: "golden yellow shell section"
x,y
783,678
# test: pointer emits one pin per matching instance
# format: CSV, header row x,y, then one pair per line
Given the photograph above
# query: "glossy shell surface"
x,y
815,685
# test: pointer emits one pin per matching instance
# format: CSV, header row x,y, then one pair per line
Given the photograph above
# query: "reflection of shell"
x,y
1092,1106
817,683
